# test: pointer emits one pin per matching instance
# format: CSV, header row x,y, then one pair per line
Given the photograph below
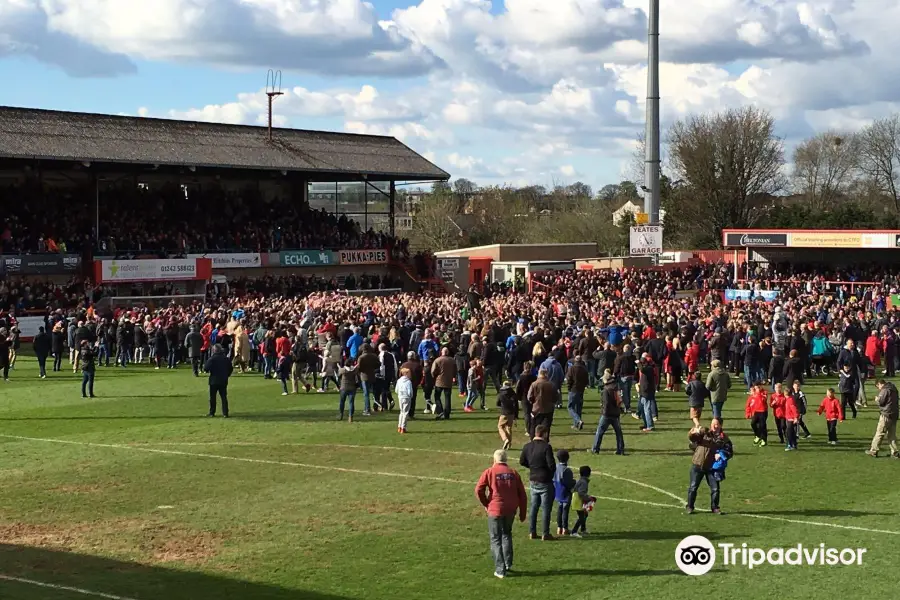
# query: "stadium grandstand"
x,y
80,188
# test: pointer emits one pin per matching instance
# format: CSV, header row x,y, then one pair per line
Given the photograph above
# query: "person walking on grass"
x,y
404,396
610,413
887,401
4,353
563,484
220,369
193,342
348,383
697,394
718,382
542,396
791,421
444,372
582,501
777,402
537,457
509,413
501,492
88,369
709,445
800,400
577,378
42,347
831,406
848,387
757,411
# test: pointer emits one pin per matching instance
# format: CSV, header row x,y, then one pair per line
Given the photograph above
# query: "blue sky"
x,y
529,92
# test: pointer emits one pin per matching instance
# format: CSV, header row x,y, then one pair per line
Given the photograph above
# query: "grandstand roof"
x,y
27,133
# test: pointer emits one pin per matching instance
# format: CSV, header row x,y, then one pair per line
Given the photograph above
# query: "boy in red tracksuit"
x,y
791,418
831,406
758,412
777,401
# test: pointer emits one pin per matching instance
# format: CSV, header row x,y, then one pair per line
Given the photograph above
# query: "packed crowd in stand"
x,y
211,220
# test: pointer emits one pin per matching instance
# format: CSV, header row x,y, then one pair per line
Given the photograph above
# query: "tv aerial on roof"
x,y
273,90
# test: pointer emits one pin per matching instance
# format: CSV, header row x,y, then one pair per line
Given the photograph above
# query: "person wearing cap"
x,y
502,494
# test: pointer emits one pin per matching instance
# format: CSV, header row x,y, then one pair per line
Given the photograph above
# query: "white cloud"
x,y
531,90
337,36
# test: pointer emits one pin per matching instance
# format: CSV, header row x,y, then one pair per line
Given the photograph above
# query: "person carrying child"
x,y
706,445
831,406
564,483
582,501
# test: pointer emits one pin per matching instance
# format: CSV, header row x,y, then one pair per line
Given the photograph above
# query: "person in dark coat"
x,y
161,345
793,370
219,368
42,347
88,368
610,413
57,346
193,342
4,353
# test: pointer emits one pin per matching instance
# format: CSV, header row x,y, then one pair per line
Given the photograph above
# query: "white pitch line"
x,y
392,448
64,588
424,477
292,464
817,523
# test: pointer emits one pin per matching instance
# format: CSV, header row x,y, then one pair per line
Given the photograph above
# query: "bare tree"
x,y
731,163
880,148
433,226
633,170
825,167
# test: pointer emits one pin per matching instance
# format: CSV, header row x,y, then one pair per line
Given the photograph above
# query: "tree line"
x,y
722,170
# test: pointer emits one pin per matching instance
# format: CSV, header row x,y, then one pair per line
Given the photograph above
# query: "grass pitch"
x,y
136,495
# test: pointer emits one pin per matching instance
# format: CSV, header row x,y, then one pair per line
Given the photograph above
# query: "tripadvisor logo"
x,y
696,555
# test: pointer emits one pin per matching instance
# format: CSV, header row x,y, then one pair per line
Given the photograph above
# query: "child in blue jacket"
x,y
564,483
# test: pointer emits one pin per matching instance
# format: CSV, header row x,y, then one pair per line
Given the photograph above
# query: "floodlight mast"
x,y
651,136
273,90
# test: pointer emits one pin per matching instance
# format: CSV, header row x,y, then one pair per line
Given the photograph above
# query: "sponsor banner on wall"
x,y
115,271
842,239
306,258
363,257
40,264
29,327
751,239
240,260
767,295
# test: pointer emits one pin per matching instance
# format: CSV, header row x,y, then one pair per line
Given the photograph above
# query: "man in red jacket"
x,y
501,492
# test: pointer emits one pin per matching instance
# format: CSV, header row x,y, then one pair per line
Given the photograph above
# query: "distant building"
x,y
632,208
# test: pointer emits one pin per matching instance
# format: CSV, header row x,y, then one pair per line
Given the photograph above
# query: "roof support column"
x,y
391,208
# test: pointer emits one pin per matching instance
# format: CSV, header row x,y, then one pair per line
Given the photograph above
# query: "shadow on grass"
x,y
125,579
607,572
